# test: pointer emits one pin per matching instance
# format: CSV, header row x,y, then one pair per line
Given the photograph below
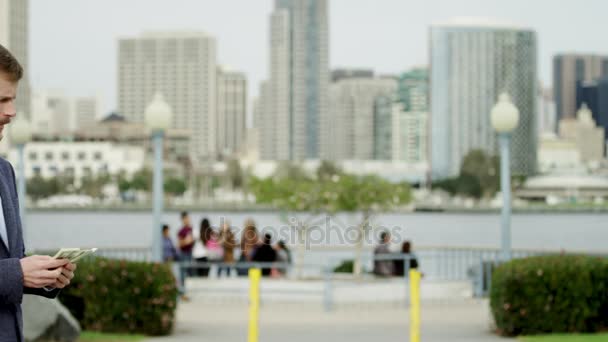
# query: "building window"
x,y
48,156
97,156
37,171
82,156
33,156
65,156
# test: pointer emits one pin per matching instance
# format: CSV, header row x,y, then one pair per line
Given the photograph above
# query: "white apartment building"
x,y
86,111
79,159
409,135
182,67
56,114
473,61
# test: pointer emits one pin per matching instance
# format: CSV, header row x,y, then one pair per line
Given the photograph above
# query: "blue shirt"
x,y
169,251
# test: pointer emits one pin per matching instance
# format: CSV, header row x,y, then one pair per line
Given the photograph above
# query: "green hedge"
x,y
550,294
118,296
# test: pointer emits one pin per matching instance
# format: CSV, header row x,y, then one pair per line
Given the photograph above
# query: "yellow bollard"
x,y
254,303
414,306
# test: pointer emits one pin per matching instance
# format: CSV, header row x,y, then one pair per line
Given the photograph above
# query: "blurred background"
x,y
474,131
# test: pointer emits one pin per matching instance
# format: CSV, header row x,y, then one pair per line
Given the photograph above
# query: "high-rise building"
x,y
299,80
352,105
568,70
383,121
595,95
413,90
547,117
14,35
409,135
182,67
86,110
263,121
472,62
231,111
401,121
339,74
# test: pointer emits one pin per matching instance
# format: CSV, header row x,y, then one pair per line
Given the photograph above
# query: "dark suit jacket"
x,y
11,277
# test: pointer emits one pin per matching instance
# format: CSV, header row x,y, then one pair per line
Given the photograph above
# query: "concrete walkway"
x,y
454,319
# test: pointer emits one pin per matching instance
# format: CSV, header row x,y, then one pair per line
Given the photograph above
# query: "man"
x,y
39,275
266,254
186,238
383,267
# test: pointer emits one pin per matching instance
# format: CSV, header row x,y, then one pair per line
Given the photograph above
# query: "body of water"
x,y
568,231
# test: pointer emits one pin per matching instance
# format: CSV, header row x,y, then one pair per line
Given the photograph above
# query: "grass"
x,y
566,338
88,336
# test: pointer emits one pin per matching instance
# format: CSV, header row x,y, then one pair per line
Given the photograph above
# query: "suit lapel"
x,y
10,217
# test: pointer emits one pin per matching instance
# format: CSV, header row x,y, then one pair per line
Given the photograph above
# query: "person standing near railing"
x,y
199,252
171,256
406,252
383,268
228,242
283,256
249,242
266,254
169,251
185,240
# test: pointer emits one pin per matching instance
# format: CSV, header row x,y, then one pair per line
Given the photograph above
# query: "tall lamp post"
x,y
504,118
21,134
158,119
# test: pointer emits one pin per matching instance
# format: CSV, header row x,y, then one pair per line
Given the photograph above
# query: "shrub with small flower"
x,y
121,296
550,294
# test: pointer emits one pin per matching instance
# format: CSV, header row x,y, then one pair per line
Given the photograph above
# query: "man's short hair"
x,y
165,227
9,65
184,214
383,236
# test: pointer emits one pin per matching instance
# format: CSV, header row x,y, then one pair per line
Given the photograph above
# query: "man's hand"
x,y
42,270
67,273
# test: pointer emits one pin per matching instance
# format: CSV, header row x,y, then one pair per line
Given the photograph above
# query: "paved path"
x,y
459,321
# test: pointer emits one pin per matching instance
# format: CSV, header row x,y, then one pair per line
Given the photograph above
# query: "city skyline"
x,y
402,28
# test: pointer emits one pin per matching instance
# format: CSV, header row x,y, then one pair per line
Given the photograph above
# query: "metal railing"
x,y
437,264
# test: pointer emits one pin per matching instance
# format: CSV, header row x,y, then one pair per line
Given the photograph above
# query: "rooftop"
x,y
481,22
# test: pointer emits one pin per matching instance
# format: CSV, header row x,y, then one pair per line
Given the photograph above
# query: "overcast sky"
x,y
73,42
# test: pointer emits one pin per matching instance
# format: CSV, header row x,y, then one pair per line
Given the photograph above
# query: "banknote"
x,y
73,254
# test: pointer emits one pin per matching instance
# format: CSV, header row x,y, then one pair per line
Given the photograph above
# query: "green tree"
x,y
328,196
485,168
93,185
175,186
327,170
39,188
142,180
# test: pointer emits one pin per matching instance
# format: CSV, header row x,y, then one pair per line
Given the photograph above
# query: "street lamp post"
x,y
21,133
505,117
158,119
